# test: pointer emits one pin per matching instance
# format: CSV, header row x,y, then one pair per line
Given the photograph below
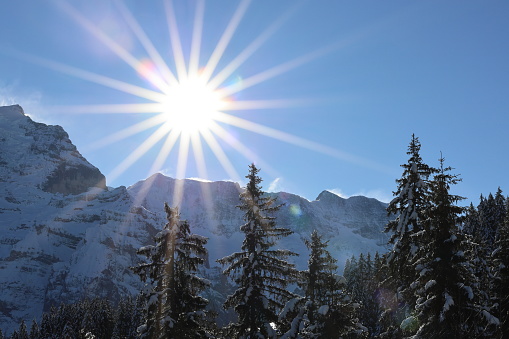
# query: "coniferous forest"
x,y
445,275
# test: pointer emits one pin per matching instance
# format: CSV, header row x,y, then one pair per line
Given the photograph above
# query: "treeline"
x,y
81,319
445,276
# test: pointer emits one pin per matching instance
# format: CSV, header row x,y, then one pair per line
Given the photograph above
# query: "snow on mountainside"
x,y
64,236
353,225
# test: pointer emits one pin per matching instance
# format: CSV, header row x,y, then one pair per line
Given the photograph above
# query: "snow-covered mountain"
x,y
64,235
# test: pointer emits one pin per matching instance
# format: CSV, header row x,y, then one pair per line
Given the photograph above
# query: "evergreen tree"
x,y
447,306
501,273
500,210
362,285
409,207
22,331
487,212
188,305
491,212
482,225
370,311
45,330
97,317
260,271
68,332
326,310
127,318
174,308
34,330
478,252
329,310
350,274
480,260
471,221
378,263
361,275
347,269
379,296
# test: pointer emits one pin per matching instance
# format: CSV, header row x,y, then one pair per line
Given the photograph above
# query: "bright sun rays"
x,y
189,103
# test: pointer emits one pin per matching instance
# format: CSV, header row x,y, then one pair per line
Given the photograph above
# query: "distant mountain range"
x,y
64,235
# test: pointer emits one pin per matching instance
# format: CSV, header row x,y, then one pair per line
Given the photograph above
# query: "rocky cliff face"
x,y
63,236
42,155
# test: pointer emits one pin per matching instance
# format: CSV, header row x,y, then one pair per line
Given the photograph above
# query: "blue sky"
x,y
353,80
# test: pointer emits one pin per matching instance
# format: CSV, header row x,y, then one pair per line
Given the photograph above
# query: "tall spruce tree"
x,y
260,271
471,220
127,319
350,274
362,281
447,306
34,330
409,207
23,331
501,275
326,310
98,317
46,328
479,255
491,213
370,311
500,210
483,226
329,309
174,308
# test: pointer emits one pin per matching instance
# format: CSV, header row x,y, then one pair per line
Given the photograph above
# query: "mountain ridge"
x,y
63,242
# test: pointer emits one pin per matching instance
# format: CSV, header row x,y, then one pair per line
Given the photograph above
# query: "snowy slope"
x,y
64,236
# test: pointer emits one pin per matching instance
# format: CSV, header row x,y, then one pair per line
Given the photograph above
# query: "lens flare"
x,y
295,210
146,69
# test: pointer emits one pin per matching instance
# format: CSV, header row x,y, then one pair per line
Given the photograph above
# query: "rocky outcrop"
x,y
74,179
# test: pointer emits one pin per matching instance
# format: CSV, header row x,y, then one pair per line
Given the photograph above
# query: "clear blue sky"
x,y
358,78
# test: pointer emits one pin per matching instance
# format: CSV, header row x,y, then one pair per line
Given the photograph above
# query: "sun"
x,y
191,105
191,102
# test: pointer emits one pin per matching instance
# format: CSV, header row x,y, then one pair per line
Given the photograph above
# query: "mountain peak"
x,y
328,196
12,112
42,156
